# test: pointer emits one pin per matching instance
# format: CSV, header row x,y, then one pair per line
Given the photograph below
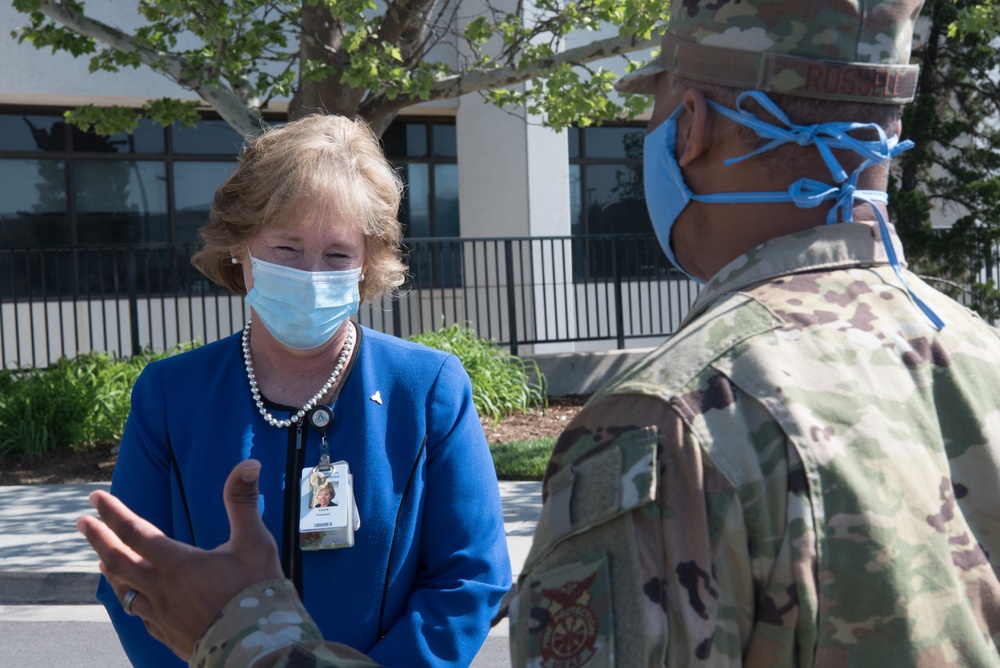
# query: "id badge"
x,y
328,514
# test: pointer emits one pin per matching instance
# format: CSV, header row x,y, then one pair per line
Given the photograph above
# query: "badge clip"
x,y
321,419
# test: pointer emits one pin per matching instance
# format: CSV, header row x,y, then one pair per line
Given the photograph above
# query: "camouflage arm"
x,y
704,566
692,547
267,626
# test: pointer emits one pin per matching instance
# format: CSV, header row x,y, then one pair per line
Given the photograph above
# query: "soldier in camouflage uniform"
x,y
806,474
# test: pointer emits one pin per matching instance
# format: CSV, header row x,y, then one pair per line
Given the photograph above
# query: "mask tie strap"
x,y
825,136
895,149
894,263
809,193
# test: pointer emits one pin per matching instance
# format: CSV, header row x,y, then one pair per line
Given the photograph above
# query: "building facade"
x,y
94,231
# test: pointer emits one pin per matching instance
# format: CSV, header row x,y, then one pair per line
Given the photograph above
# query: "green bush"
x,y
502,383
75,402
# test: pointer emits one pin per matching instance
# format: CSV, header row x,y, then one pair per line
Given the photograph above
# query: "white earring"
x,y
361,279
234,260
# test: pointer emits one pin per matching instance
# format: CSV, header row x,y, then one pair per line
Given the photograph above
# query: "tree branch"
x,y
422,39
476,80
380,111
398,18
228,103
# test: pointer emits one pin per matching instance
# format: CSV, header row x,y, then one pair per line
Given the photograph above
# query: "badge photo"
x,y
327,517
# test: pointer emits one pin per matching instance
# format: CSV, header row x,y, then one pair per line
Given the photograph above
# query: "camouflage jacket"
x,y
267,626
806,474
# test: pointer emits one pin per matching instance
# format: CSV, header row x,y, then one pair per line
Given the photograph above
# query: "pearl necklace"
x,y
327,386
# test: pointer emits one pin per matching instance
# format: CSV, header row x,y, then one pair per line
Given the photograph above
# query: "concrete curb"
x,y
48,588
584,372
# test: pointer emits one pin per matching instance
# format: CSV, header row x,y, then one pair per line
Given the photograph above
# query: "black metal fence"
x,y
614,291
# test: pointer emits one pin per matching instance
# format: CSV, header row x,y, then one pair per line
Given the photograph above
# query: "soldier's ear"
x,y
694,128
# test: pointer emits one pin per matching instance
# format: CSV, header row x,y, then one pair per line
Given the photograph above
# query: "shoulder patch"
x,y
598,489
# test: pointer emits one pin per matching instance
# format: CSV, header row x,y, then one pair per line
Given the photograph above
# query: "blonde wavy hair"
x,y
306,163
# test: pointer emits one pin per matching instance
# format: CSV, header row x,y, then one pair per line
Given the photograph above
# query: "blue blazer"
x,y
423,477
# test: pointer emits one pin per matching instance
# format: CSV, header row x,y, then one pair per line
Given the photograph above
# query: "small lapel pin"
x,y
377,397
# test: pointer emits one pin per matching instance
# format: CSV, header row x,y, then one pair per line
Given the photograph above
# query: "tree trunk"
x,y
321,40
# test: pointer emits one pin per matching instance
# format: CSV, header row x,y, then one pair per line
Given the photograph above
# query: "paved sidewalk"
x,y
44,561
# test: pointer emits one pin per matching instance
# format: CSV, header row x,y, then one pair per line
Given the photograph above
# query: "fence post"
x,y
619,302
397,318
133,299
508,249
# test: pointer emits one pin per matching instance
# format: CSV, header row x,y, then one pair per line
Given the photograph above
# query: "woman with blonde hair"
x,y
306,228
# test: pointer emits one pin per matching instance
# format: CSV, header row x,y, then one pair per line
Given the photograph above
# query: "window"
x,y
33,209
426,153
194,187
120,201
74,203
606,198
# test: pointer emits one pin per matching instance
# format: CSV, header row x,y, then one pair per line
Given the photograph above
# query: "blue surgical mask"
x,y
302,309
666,192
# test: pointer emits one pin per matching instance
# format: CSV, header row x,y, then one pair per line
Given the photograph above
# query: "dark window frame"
x,y
581,158
593,263
63,270
429,158
431,265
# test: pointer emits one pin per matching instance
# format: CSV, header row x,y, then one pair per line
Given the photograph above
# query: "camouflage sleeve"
x,y
267,626
665,580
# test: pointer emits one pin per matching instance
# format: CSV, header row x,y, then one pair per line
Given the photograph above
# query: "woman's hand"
x,y
181,589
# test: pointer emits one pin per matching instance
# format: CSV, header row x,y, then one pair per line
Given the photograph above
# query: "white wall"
x,y
493,190
39,77
33,76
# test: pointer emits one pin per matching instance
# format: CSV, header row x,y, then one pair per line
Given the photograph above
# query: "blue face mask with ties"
x,y
667,194
302,309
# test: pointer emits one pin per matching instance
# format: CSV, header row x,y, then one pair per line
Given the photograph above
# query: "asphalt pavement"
x,y
48,576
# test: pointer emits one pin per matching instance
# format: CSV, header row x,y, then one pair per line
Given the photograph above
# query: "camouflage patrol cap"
x,y
856,50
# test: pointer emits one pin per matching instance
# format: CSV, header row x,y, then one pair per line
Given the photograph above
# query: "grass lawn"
x,y
522,460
